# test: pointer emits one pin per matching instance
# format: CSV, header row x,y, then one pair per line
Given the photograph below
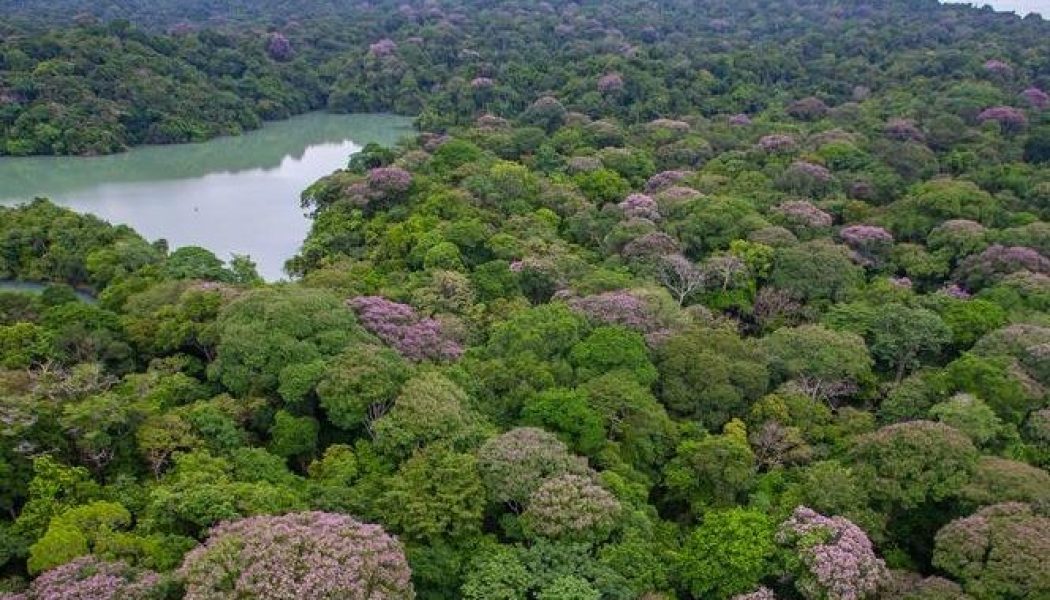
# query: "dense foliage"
x,y
665,300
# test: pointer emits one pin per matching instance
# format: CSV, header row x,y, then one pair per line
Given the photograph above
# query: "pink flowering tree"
x,y
664,180
389,181
618,308
800,215
808,109
278,47
739,120
640,206
610,83
776,142
903,130
676,195
762,593
571,507
833,558
1012,120
298,555
89,578
998,261
383,47
1036,98
650,246
998,68
870,243
416,337
1001,551
380,185
515,464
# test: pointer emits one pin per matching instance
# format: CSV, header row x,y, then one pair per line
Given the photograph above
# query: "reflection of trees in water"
x,y
263,149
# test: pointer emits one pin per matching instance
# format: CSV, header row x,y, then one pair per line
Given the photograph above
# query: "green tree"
x,y
727,554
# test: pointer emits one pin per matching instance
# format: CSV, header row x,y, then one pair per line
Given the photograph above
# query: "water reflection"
x,y
229,195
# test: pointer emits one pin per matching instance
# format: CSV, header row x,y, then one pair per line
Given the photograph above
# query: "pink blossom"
x,y
868,241
903,130
997,261
677,195
955,291
389,180
618,308
802,213
808,108
998,67
383,47
89,578
664,180
671,124
299,555
739,120
515,464
1010,118
278,47
491,122
818,173
776,142
640,206
838,558
901,282
1036,98
401,327
762,593
610,82
571,506
651,245
482,83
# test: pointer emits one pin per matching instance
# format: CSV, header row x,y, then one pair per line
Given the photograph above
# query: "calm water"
x,y
237,194
30,287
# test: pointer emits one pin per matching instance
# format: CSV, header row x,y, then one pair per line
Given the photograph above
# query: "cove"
x,y
229,195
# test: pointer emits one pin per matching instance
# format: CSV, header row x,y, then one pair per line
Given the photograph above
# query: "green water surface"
x,y
230,195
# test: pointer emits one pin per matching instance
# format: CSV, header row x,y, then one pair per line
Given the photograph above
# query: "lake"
x,y
229,195
32,287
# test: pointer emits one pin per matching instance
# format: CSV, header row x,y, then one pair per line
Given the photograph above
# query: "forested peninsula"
x,y
731,300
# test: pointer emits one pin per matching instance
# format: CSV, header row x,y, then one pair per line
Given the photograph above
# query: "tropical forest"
x,y
653,300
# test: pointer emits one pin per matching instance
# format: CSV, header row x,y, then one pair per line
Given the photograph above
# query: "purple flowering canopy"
x,y
664,180
1008,117
389,180
808,109
739,120
278,47
640,206
1036,98
762,593
776,142
610,82
998,67
837,560
416,337
802,213
299,555
903,130
383,47
90,578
